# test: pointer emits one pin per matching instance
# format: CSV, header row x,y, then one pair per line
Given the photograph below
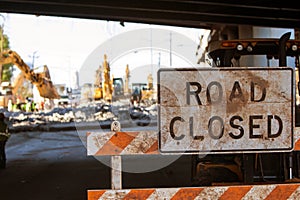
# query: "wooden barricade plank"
x,y
122,143
260,192
297,139
139,142
146,142
297,145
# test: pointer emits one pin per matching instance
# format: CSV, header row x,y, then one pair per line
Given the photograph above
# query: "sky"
x,y
65,44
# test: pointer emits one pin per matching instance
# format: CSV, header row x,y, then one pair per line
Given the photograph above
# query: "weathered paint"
x,y
245,192
116,172
297,139
297,145
132,143
122,143
215,110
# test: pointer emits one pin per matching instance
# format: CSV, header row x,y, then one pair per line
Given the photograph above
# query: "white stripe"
x,y
163,193
259,192
141,143
211,193
114,194
96,141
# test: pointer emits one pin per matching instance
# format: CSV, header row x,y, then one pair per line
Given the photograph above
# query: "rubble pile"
x,y
81,114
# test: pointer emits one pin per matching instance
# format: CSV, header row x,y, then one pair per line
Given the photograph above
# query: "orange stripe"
x,y
153,149
187,193
282,192
116,144
297,145
88,134
109,149
138,194
235,192
121,139
95,194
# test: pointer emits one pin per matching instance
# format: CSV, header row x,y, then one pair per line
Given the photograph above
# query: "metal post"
x,y
290,165
116,172
116,163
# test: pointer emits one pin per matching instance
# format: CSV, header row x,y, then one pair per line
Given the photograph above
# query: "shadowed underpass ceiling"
x,y
184,13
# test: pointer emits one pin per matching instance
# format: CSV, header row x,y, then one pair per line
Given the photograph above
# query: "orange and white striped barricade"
x,y
257,192
121,143
297,139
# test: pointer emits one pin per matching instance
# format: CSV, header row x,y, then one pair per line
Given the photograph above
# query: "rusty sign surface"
x,y
217,110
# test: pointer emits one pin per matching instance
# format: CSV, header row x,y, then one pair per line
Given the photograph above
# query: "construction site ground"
x,y
51,165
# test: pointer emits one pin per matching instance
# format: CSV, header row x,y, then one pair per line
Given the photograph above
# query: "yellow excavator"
x,y
107,88
143,92
103,89
41,80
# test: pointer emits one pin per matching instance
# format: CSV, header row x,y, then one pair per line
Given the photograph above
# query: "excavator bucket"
x,y
48,90
45,86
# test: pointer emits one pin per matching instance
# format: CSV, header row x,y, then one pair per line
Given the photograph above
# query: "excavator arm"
x,y
18,82
41,80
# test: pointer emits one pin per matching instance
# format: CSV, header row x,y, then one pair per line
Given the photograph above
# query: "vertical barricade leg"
x,y
116,172
116,163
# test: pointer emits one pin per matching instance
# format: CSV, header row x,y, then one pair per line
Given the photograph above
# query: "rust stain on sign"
x,y
215,110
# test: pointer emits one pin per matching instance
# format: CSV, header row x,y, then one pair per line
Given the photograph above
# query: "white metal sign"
x,y
217,110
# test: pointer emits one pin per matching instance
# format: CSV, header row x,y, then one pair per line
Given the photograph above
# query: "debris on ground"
x,y
96,112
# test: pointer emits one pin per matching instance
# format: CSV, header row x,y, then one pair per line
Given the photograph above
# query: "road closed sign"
x,y
219,110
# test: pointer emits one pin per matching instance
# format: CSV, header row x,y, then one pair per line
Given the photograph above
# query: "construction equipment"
x,y
143,92
238,123
127,76
106,87
257,165
136,94
118,87
13,93
41,80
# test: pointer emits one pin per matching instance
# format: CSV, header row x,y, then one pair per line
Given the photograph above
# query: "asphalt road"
x,y
55,165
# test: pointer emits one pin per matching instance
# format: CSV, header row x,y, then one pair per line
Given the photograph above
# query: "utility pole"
x,y
170,49
33,58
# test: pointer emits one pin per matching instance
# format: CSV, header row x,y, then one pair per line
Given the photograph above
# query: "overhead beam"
x,y
188,13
